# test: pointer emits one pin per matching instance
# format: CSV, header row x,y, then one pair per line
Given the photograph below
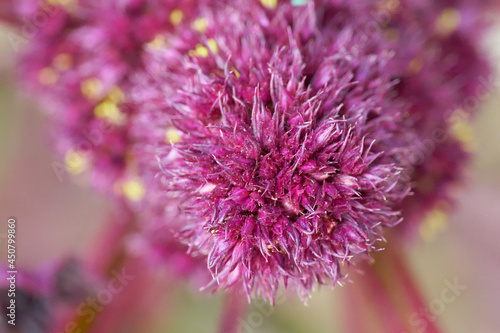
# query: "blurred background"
x,y
59,217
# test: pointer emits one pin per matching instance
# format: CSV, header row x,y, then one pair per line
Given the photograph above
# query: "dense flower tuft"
x,y
79,62
280,142
276,138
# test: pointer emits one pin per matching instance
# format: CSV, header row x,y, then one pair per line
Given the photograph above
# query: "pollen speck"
x,y
75,162
176,16
236,73
134,189
92,88
269,3
67,4
212,45
448,21
464,132
200,51
110,111
116,95
200,24
435,222
157,43
172,135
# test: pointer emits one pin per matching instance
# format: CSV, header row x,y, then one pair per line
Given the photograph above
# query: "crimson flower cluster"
x,y
279,139
276,138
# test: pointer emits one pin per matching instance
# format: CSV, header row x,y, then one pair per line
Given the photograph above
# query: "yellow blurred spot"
x,y
435,222
63,62
47,76
116,95
391,5
158,42
200,51
212,45
448,21
463,132
68,5
75,162
172,135
330,226
269,3
134,189
64,3
200,24
92,88
110,111
236,73
176,16
416,65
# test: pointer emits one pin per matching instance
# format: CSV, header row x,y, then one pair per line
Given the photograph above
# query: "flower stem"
x,y
233,308
388,295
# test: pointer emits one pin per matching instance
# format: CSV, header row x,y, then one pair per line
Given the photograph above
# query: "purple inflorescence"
x,y
79,60
277,138
283,145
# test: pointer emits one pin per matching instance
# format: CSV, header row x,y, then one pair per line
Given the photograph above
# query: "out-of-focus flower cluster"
x,y
275,138
43,294
283,159
79,59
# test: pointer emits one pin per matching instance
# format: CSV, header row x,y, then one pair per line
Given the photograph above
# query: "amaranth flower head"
x,y
282,143
79,63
